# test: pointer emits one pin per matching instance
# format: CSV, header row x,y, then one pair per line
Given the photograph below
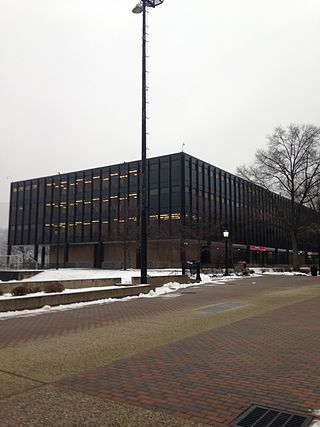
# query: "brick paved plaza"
x,y
166,361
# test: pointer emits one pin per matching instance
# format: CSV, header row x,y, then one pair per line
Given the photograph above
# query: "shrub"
x,y
20,291
34,289
54,287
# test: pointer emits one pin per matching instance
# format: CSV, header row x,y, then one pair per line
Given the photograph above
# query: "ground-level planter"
x,y
31,302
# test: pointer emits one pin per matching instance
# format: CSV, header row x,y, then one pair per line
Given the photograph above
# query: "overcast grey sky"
x,y
223,74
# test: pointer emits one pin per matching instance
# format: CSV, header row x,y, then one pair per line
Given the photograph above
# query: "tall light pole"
x,y
142,8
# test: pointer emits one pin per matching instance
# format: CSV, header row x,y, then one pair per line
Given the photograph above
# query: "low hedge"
x,y
54,287
20,291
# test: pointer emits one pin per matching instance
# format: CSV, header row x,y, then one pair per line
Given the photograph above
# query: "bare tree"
x,y
289,166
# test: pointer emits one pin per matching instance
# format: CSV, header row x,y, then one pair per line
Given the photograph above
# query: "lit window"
x,y
165,217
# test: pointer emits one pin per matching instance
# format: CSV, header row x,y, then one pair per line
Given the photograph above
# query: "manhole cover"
x,y
259,416
220,307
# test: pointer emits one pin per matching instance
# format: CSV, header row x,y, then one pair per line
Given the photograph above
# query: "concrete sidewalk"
x,y
166,361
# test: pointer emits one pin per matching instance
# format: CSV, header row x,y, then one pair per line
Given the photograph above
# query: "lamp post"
x,y
141,7
226,236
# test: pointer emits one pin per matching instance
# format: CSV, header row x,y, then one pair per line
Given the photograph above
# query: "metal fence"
x,y
18,262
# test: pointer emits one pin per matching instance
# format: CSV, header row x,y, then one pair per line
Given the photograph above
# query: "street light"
x,y
226,236
141,8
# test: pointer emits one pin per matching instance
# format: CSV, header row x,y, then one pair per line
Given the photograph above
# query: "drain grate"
x,y
259,416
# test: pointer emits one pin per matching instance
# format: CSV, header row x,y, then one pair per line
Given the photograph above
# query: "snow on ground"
x,y
316,422
81,273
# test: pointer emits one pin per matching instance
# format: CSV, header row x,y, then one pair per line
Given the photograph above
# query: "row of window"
x,y
177,183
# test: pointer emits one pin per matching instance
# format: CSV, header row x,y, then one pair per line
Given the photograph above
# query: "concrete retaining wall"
x,y
68,284
32,302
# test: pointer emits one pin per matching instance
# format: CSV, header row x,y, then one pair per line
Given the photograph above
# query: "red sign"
x,y
258,248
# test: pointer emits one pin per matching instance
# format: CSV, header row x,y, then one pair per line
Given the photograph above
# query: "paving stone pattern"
x,y
272,360
21,330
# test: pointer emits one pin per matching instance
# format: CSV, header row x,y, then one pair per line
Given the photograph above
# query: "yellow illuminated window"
x,y
96,177
175,216
114,174
165,217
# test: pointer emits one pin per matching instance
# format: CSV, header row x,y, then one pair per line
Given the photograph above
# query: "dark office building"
x,y
92,216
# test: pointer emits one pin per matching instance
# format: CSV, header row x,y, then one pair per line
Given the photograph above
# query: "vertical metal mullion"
x,y
100,206
23,211
91,204
182,197
51,212
66,233
170,193
10,240
29,218
37,213
44,210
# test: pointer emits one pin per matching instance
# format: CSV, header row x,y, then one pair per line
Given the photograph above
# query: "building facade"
x,y
90,218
